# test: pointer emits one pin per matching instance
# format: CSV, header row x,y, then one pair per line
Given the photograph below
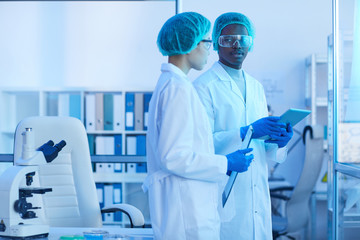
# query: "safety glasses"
x,y
230,40
207,43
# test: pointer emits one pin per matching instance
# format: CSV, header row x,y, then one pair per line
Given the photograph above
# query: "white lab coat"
x,y
247,214
183,171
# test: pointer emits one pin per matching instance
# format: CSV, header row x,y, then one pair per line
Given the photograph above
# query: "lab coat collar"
x,y
224,76
169,67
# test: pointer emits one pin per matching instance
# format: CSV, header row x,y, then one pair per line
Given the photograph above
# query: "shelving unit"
x,y
315,88
114,135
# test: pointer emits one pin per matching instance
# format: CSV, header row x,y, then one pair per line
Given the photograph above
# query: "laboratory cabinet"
x,y
116,124
344,122
316,93
316,77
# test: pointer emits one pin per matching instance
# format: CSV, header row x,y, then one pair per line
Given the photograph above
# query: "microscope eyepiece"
x,y
60,145
50,151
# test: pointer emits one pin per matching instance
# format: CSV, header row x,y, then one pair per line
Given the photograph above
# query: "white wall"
x,y
81,44
112,45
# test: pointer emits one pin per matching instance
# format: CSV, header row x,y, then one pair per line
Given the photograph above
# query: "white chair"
x,y
297,208
73,201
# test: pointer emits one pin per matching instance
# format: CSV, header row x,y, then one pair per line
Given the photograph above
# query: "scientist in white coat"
x,y
183,170
234,100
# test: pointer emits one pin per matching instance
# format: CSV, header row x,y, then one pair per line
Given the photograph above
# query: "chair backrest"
x,y
73,201
297,208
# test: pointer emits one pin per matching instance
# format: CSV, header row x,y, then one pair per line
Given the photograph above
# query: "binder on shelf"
x,y
52,105
131,168
75,106
131,145
108,111
108,200
139,111
141,145
104,145
91,140
147,97
100,168
117,198
141,167
104,167
118,104
129,111
90,112
99,111
118,145
109,167
118,167
64,104
100,193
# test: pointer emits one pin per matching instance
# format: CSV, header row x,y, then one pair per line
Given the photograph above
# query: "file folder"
x,y
75,106
129,111
141,167
100,167
108,200
118,167
233,175
139,112
131,168
118,144
108,111
90,112
117,196
118,112
141,145
99,111
91,140
63,105
52,104
104,145
100,193
131,145
147,98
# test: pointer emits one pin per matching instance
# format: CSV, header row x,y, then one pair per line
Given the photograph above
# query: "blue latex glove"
x,y
265,126
282,140
238,161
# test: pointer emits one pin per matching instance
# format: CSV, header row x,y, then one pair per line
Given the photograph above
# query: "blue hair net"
x,y
182,33
231,18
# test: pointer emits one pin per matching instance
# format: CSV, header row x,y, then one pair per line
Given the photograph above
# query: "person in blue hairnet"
x,y
234,100
183,171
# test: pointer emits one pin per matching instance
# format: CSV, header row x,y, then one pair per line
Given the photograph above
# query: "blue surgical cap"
x,y
231,18
182,33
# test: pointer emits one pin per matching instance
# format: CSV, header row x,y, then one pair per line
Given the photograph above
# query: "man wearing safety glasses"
x,y
233,101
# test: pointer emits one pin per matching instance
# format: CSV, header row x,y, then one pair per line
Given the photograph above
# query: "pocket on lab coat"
x,y
199,204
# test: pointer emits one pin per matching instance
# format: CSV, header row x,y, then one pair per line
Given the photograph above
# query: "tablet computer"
x,y
292,116
233,175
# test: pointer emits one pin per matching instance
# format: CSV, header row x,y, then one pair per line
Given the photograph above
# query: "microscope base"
x,y
26,231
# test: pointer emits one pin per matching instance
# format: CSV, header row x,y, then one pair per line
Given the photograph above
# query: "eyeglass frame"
x,y
238,40
208,43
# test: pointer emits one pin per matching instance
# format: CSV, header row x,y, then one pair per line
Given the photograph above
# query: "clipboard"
x,y
233,175
292,116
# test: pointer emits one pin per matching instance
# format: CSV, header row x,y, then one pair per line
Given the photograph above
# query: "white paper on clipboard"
x,y
233,175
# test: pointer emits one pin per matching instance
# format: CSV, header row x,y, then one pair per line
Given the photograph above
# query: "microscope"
x,y
22,212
